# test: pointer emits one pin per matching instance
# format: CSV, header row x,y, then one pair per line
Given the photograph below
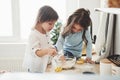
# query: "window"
x,y
5,18
9,21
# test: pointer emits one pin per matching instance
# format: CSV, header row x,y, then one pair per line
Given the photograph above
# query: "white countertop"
x,y
57,76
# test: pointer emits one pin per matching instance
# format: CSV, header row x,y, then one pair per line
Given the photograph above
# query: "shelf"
x,y
109,10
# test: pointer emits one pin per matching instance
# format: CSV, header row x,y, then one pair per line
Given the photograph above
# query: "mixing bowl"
x,y
66,64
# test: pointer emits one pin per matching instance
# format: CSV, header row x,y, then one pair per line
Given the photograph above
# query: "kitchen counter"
x,y
78,68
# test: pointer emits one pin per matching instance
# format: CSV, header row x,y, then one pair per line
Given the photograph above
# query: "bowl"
x,y
66,64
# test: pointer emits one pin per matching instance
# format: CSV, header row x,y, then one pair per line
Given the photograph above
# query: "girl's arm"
x,y
89,44
42,52
60,42
36,47
89,48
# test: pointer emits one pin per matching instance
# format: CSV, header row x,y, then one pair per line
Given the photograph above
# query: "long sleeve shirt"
x,y
36,42
73,43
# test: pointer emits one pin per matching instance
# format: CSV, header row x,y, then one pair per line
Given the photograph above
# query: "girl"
x,y
74,33
38,50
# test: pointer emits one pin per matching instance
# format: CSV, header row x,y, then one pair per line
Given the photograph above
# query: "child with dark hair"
x,y
75,33
38,49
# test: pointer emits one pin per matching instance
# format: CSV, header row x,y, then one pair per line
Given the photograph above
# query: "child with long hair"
x,y
38,49
75,33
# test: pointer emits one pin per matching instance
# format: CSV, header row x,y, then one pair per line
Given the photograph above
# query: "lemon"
x,y
80,62
58,69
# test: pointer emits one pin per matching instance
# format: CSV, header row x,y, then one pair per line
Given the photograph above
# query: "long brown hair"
x,y
80,16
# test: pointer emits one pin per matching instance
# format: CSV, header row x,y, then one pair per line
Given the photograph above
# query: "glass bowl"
x,y
66,64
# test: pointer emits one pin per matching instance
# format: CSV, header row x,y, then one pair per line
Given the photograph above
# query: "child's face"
x,y
47,26
77,28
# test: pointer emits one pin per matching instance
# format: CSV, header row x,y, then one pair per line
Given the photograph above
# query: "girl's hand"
x,y
88,60
62,58
52,51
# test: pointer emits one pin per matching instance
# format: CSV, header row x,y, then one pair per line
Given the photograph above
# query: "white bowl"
x,y
68,63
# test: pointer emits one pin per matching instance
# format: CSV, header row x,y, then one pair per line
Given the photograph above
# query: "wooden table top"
x,y
78,68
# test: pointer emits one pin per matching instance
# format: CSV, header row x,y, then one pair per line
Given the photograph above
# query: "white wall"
x,y
71,6
11,56
15,50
